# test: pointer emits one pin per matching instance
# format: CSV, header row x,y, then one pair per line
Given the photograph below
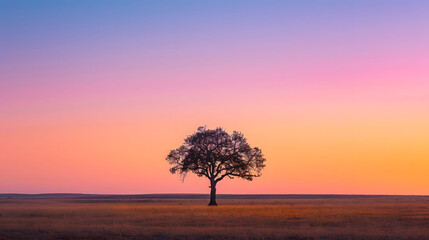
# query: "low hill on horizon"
x,y
190,196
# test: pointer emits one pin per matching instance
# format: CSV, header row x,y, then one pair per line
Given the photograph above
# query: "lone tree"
x,y
215,154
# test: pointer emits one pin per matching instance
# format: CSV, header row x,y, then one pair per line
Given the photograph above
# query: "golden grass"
x,y
365,218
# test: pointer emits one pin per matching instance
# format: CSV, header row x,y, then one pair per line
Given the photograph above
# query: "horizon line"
x,y
224,194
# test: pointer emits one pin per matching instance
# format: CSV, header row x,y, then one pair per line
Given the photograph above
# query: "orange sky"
x,y
94,96
311,147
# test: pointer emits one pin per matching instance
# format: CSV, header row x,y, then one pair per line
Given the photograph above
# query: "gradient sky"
x,y
94,94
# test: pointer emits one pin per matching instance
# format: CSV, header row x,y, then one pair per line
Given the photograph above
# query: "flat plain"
x,y
293,217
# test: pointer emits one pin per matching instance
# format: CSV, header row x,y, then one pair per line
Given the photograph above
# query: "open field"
x,y
131,217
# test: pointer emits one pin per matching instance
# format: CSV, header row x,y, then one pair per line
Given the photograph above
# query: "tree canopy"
x,y
216,154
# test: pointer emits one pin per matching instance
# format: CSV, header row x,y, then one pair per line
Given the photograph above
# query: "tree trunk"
x,y
212,194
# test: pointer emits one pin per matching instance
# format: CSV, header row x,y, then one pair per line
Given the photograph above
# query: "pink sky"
x,y
93,97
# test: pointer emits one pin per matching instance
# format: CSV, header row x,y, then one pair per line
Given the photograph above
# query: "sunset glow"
x,y
94,94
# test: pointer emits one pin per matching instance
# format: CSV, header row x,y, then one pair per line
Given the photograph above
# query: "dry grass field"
x,y
333,218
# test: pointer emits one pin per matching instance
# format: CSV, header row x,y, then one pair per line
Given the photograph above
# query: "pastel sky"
x,y
94,94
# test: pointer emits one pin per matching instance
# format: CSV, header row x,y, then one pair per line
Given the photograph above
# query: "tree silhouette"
x,y
215,154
